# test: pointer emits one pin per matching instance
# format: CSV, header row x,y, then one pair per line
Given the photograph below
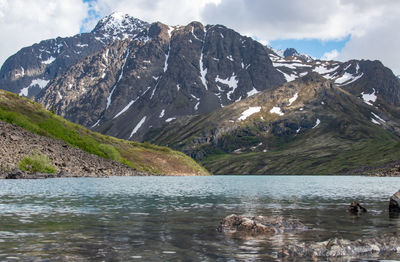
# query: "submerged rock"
x,y
356,208
337,247
258,225
394,203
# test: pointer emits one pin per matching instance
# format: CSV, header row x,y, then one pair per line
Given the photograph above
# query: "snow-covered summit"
x,y
120,26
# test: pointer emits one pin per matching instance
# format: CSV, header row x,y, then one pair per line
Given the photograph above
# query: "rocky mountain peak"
x,y
119,25
290,52
161,31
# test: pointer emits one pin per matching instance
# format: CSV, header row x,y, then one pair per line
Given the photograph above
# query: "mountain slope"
x,y
32,68
143,157
132,85
308,126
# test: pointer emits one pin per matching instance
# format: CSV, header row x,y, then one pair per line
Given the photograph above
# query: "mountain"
x,y
32,68
187,86
52,135
308,126
132,85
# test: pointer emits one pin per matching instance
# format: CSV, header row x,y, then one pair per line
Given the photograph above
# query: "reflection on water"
x,y
174,218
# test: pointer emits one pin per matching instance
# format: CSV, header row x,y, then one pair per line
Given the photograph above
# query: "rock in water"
x,y
356,208
15,174
337,247
394,203
258,225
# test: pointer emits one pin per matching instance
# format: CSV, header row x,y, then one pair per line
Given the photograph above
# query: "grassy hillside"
x,y
325,130
141,156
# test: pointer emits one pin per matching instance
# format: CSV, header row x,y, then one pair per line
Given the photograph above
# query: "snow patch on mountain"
x,y
368,98
170,119
317,123
231,81
347,78
325,70
276,110
49,60
109,98
41,83
137,127
126,108
249,112
252,92
377,117
294,98
288,77
162,114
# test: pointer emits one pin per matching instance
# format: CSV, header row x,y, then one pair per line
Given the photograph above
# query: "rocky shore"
x,y
16,143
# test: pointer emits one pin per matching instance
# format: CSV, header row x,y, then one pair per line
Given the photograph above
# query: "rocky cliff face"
x,y
32,68
132,85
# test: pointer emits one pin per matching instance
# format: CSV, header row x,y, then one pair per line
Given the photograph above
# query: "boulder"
x,y
15,174
356,208
258,224
394,202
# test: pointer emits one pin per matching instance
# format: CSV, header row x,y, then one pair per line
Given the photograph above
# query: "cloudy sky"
x,y
330,29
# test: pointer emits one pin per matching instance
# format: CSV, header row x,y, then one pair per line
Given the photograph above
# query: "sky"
x,y
328,29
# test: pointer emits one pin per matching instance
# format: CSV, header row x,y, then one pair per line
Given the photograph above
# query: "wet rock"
x,y
15,174
356,208
258,225
337,247
394,203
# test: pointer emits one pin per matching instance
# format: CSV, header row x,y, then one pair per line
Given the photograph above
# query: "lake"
x,y
175,218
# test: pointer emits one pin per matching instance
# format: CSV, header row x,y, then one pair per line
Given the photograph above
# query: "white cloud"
x,y
25,22
172,12
331,55
381,41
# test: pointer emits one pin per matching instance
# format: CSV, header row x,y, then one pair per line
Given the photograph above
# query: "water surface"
x,y
174,218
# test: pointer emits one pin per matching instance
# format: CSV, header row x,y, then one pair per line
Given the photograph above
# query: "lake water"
x,y
174,218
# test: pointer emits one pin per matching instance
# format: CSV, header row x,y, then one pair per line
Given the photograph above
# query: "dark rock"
x,y
337,247
62,174
258,225
356,208
394,203
290,52
15,174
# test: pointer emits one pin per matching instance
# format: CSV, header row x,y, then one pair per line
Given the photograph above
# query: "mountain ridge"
x,y
160,81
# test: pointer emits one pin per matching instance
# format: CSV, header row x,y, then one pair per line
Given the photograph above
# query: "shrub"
x,y
110,152
36,163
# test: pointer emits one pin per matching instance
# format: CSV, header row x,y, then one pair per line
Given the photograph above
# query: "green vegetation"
x,y
37,163
308,156
345,141
141,156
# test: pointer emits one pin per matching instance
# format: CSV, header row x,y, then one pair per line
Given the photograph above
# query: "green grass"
x,y
312,155
37,163
141,156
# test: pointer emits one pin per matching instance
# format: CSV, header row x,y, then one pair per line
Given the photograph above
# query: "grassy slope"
x,y
311,154
345,140
141,156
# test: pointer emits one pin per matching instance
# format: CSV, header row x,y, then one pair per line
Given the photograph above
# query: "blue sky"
x,y
314,47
